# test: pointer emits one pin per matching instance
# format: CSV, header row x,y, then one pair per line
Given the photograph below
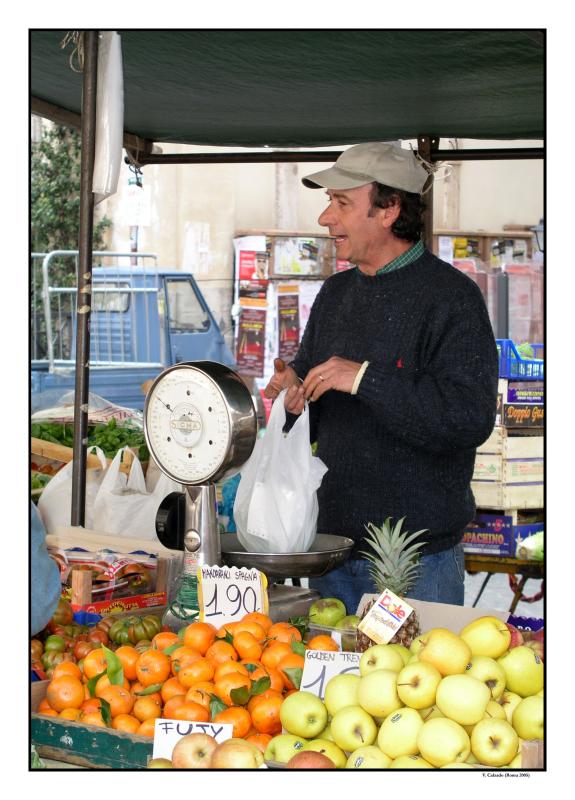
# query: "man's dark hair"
x,y
409,224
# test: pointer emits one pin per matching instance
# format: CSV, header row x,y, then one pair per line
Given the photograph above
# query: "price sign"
x,y
167,732
228,593
321,665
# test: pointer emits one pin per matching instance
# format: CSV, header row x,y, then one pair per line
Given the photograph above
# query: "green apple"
x,y
430,713
349,622
303,714
368,757
528,717
283,746
352,727
410,762
380,656
494,742
377,692
446,651
486,669
403,651
341,691
487,636
329,749
327,611
508,701
523,671
398,733
462,698
442,741
417,684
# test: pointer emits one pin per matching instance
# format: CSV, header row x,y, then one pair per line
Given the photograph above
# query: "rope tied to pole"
x,y
77,54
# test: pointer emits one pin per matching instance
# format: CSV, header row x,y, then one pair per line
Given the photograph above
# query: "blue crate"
x,y
516,367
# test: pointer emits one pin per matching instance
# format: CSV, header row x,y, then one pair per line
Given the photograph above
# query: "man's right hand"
x,y
285,377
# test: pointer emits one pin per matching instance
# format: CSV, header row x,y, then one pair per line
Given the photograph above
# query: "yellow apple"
x,y
430,713
368,757
462,698
340,691
417,684
494,742
486,669
442,741
193,751
352,727
528,717
410,762
234,754
446,651
523,671
329,749
508,701
487,636
380,656
403,651
377,693
398,733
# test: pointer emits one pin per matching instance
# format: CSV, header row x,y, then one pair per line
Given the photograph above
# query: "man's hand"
x,y
335,373
284,377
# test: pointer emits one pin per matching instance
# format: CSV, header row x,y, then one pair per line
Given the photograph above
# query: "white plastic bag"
x,y
276,506
123,505
55,503
109,116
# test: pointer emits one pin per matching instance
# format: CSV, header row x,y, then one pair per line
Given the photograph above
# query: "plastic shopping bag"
x,y
276,505
124,506
55,503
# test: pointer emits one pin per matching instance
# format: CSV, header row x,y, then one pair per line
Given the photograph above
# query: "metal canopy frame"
x,y
141,152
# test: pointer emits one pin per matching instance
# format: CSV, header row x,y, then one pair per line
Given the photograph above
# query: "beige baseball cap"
x,y
383,162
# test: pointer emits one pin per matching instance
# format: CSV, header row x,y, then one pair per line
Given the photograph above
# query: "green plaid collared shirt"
x,y
404,259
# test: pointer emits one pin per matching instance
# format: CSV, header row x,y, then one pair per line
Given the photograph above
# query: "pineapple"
x,y
394,566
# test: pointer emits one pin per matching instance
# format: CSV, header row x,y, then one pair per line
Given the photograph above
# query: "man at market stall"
x,y
399,364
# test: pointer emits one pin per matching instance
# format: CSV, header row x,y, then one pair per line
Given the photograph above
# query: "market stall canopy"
x,y
312,88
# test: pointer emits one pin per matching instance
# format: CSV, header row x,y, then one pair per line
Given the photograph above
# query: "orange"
x,y
137,687
126,723
65,692
164,639
91,704
248,626
199,636
174,702
67,668
119,698
183,655
146,708
284,632
196,695
221,651
274,653
147,728
228,667
94,663
192,712
201,670
171,688
266,715
152,667
104,683
275,678
228,683
247,645
206,686
260,740
92,718
71,713
44,705
291,661
229,627
262,619
49,712
240,719
322,642
265,695
128,656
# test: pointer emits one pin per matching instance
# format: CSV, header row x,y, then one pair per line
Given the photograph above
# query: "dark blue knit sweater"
x,y
404,446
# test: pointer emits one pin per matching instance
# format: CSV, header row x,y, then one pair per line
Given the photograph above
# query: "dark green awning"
x,y
306,88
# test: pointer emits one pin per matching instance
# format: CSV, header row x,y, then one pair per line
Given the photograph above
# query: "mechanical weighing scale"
x,y
200,426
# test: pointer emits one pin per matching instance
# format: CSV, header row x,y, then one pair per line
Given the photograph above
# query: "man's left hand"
x,y
335,373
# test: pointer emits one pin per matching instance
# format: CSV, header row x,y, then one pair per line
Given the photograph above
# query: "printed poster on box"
x,y
288,322
250,350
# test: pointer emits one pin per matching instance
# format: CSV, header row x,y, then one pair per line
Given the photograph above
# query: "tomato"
x,y
55,643
145,628
82,648
63,614
53,657
96,635
105,623
36,649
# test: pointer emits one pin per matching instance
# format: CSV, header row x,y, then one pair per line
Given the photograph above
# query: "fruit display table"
x,y
510,566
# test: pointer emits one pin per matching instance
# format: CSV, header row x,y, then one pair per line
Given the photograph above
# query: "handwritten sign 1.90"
x,y
321,665
228,593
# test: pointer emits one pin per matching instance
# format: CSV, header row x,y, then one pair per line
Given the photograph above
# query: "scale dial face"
x,y
188,425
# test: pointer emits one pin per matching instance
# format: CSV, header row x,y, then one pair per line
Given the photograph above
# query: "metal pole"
x,y
84,295
425,147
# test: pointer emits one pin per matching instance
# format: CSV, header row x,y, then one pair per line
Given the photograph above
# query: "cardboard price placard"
x,y
226,594
167,732
322,665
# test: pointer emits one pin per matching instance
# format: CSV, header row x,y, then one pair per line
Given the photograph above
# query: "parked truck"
x,y
143,319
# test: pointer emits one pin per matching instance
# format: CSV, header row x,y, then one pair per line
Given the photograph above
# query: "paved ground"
x,y
498,595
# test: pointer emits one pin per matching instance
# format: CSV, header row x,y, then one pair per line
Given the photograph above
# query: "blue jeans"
x,y
441,580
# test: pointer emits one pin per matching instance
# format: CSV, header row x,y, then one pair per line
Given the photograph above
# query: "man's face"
x,y
359,237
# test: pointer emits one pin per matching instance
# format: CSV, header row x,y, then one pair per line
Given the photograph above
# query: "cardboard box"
x,y
495,494
514,444
497,534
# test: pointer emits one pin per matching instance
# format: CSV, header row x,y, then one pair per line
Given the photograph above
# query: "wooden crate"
x,y
514,444
59,452
495,494
85,745
496,467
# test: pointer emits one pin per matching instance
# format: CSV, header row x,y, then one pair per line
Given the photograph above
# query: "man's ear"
x,y
387,216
